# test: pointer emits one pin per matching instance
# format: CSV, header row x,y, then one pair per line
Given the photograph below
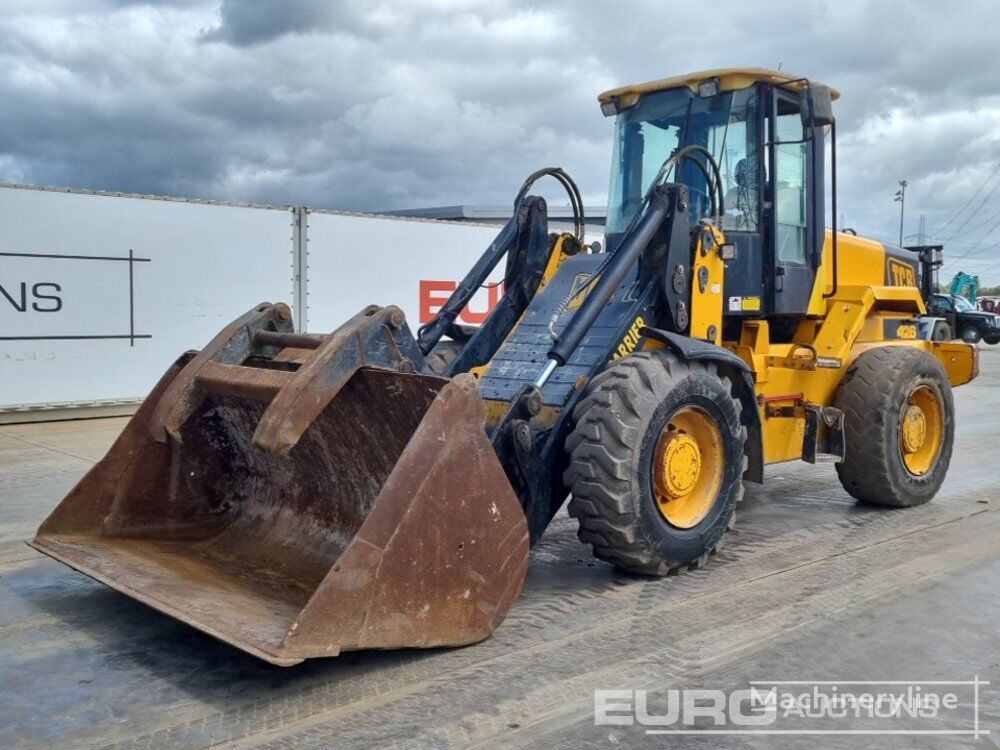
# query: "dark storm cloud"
x,y
250,22
387,104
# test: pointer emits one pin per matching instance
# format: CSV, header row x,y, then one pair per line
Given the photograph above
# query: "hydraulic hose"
x,y
431,332
576,202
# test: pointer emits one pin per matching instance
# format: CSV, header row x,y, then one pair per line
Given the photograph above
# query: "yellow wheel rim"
x,y
921,430
687,467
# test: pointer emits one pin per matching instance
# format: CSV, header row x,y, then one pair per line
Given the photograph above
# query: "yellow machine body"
x,y
863,312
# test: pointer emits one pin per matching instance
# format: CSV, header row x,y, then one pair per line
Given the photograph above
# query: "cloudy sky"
x,y
387,104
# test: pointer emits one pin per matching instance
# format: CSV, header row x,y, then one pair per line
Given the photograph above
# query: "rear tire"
x,y
971,335
894,456
636,418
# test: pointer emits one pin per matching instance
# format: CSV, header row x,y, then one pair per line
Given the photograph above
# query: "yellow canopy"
x,y
729,80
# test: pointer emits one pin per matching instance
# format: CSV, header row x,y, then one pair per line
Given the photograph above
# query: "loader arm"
x,y
527,259
524,241
596,304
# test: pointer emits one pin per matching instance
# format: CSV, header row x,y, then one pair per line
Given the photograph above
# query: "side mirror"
x,y
816,106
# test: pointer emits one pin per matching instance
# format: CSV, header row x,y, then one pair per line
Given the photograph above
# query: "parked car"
x,y
968,323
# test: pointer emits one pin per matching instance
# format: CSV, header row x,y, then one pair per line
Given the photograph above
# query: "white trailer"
x,y
100,292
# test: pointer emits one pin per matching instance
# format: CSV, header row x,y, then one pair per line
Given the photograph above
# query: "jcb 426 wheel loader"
x,y
299,495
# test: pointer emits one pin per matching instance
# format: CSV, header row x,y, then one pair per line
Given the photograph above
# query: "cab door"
x,y
793,179
943,307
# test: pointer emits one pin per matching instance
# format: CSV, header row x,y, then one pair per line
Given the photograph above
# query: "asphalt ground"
x,y
809,586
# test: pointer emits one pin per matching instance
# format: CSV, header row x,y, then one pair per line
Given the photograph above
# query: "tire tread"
x,y
607,426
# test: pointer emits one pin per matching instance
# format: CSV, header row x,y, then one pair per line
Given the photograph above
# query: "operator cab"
x,y
769,156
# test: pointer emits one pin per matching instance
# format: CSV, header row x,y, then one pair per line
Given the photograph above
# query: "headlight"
x,y
708,88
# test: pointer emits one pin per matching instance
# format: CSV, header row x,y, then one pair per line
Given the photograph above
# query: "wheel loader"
x,y
299,495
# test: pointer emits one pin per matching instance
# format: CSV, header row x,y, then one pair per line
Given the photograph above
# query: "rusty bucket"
x,y
300,496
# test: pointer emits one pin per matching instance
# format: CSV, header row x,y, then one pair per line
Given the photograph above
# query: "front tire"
x,y
971,335
942,332
899,426
656,462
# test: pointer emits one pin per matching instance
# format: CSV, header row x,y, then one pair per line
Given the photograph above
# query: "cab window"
x,y
790,157
963,305
664,121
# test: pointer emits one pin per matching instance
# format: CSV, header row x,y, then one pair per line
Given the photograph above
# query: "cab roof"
x,y
730,79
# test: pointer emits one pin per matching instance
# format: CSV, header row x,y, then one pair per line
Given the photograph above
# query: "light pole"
x,y
901,200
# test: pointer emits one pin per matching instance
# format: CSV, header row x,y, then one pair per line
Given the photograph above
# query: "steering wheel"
x,y
709,169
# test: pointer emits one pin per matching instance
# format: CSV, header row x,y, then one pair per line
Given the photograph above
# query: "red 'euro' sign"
x,y
433,294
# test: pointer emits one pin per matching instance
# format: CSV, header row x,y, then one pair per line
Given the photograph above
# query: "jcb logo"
x,y
631,339
901,274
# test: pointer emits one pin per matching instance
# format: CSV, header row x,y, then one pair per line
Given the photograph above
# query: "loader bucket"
x,y
388,521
